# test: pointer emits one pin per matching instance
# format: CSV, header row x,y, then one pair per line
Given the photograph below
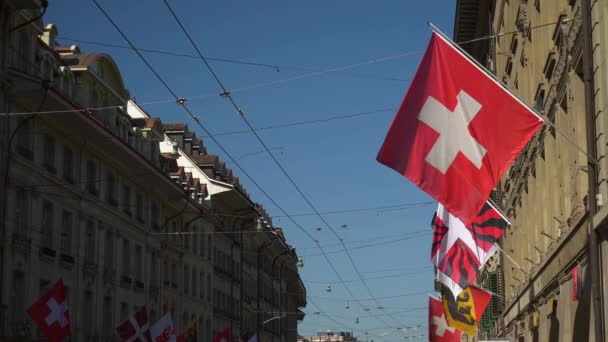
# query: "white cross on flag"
x,y
439,330
50,312
223,336
135,328
457,131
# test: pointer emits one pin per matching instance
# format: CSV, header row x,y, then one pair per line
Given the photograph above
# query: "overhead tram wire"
x,y
183,104
225,93
276,67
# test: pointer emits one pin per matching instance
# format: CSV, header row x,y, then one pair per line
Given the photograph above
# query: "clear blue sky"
x,y
333,162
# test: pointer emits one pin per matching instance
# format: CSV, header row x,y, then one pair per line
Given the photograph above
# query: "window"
x,y
152,316
89,252
173,229
47,224
539,99
44,284
17,304
109,250
195,240
193,278
92,177
68,165
208,288
201,247
155,216
88,314
22,56
126,199
24,140
187,238
138,263
174,275
186,278
201,292
126,258
21,213
509,67
166,272
111,189
208,247
66,232
139,204
154,269
550,65
107,325
124,311
49,154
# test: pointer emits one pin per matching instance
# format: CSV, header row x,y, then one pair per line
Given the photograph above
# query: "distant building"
x,y
331,336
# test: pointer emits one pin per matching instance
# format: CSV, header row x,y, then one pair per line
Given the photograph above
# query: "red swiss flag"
x,y
439,330
224,336
50,313
457,131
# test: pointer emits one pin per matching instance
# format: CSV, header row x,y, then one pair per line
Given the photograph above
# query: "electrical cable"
x,y
182,102
225,93
275,67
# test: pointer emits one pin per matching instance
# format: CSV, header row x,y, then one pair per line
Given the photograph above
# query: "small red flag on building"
x,y
136,327
224,336
439,330
457,130
50,312
576,283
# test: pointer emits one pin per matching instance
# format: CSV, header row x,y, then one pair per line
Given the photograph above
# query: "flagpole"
x,y
541,116
509,257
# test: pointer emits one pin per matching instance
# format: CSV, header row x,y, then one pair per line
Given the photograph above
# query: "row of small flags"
x,y
455,134
52,316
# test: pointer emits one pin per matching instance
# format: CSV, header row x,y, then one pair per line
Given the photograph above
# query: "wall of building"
x,y
92,193
544,192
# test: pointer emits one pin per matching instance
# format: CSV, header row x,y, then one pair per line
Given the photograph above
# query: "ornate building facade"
x,y
128,211
552,54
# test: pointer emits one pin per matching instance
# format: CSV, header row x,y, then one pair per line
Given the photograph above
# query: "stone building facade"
x,y
538,51
128,211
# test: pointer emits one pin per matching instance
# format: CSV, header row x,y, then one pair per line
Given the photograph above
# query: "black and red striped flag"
x,y
459,252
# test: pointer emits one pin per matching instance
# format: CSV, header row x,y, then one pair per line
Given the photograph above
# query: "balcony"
x,y
47,254
139,285
25,152
69,178
126,281
66,260
109,276
91,189
154,291
50,168
112,201
22,243
89,268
